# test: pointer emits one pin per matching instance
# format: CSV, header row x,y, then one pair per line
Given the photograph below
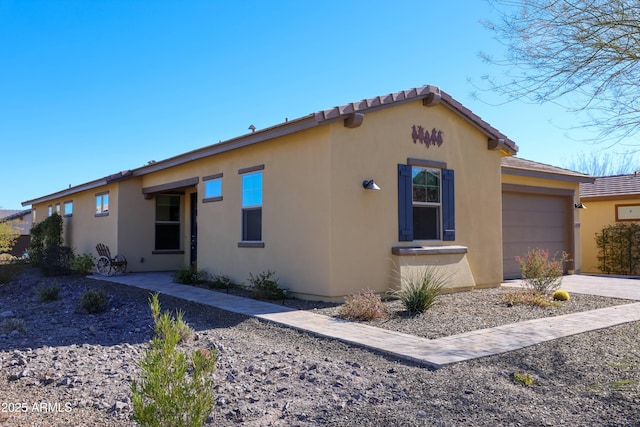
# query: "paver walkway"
x,y
434,353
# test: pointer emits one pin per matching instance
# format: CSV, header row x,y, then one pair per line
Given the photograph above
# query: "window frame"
x,y
68,212
100,207
252,202
437,206
178,222
212,179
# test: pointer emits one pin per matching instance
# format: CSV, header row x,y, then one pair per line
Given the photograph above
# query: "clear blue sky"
x,y
90,88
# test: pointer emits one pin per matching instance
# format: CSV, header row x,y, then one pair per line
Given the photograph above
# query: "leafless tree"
x,y
604,163
588,49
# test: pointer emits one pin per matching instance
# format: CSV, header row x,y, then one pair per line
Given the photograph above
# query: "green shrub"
x,y
48,293
419,292
175,388
82,264
561,295
57,261
12,324
190,276
365,305
265,286
220,282
529,297
94,301
540,273
619,248
44,235
524,379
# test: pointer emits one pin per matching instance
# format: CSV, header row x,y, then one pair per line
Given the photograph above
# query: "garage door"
x,y
533,221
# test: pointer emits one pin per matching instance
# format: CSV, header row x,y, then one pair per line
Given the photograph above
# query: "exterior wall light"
x,y
370,185
579,206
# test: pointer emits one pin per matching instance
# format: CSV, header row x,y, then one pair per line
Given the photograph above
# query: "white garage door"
x,y
533,221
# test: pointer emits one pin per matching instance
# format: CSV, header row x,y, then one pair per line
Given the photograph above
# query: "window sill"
x,y
428,250
102,214
167,252
251,244
212,199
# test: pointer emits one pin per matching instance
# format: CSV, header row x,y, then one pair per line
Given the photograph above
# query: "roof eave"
x,y
547,175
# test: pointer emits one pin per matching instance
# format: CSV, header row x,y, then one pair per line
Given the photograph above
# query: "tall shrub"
x,y
541,273
619,248
8,237
46,250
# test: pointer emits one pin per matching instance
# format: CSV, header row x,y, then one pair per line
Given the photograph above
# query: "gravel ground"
x,y
72,368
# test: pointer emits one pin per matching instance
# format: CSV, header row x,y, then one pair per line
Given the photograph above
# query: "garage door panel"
x,y
532,221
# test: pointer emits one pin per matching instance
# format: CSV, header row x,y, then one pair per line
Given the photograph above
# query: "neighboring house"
x,y
21,222
609,199
540,209
291,198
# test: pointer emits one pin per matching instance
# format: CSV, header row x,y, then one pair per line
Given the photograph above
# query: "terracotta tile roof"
x,y
524,167
612,186
431,95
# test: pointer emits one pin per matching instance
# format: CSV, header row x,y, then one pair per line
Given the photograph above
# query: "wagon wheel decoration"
x,y
103,265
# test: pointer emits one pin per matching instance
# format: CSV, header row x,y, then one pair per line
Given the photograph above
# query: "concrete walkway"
x,y
433,353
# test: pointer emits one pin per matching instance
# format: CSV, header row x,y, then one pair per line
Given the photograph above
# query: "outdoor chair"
x,y
108,266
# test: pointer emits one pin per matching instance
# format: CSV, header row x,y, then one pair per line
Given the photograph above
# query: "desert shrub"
x,y
220,281
265,286
190,276
8,236
12,324
540,273
529,297
94,301
522,378
365,305
561,295
10,269
619,248
82,264
48,293
57,261
419,292
175,388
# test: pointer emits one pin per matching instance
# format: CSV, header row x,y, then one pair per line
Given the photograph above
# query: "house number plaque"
x,y
420,134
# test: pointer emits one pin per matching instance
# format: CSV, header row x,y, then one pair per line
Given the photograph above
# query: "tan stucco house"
x,y
334,202
20,221
609,199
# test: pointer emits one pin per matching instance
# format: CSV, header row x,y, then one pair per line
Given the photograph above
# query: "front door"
x,y
194,228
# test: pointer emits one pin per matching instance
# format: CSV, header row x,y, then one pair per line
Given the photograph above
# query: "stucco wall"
x,y
365,223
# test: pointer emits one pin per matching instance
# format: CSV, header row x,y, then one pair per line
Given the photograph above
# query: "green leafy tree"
x,y
8,236
589,49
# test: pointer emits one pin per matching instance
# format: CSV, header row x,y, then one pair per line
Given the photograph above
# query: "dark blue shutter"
x,y
405,204
448,206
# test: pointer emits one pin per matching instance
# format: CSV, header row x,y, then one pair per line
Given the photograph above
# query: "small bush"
x,y
529,297
539,273
9,270
12,324
524,379
48,293
190,276
176,388
419,293
265,286
82,264
220,282
94,301
561,295
365,305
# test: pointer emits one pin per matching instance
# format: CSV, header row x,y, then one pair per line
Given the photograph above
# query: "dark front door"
x,y
194,228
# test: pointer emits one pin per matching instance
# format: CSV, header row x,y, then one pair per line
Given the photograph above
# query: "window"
x,y
252,206
33,216
68,208
167,222
212,188
49,210
58,208
425,202
102,204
